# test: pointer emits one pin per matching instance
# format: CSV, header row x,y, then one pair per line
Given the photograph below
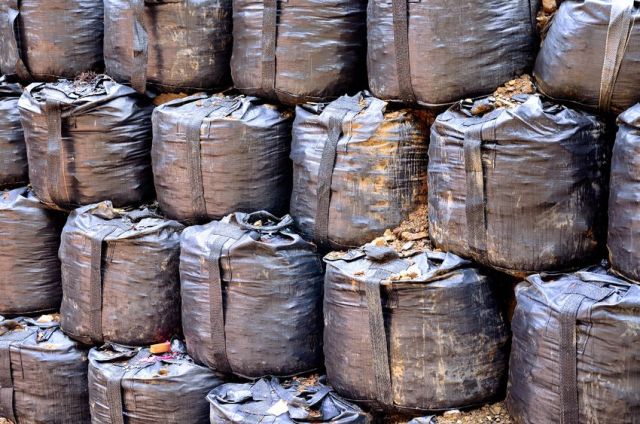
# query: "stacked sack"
x,y
179,269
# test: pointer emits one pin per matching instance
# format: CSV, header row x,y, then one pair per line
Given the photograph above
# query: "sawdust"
x,y
5,421
522,85
496,413
167,97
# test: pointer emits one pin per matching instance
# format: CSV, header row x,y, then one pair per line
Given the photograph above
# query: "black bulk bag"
x,y
43,374
217,155
13,151
295,51
624,222
298,401
591,55
87,141
171,44
45,40
251,296
133,386
359,168
412,334
433,52
519,189
120,276
574,357
29,265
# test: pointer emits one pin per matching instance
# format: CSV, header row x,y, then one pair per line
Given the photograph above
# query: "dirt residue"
x,y
410,237
545,16
5,421
496,413
522,85
167,97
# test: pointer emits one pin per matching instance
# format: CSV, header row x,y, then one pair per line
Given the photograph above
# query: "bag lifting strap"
x,y
378,337
401,44
7,407
336,113
194,159
140,46
475,207
114,388
55,182
222,233
569,348
95,283
269,34
621,23
11,49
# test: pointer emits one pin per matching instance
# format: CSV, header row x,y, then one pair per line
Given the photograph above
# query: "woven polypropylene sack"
x,y
299,50
46,40
519,189
120,276
43,374
591,55
171,45
132,386
307,401
574,356
359,167
29,265
432,340
213,156
624,223
251,296
88,141
14,170
434,52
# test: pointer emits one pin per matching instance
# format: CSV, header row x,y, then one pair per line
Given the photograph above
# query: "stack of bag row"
x,y
181,240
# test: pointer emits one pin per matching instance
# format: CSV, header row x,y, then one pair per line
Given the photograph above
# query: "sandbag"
x,y
412,334
29,265
297,401
88,141
591,55
133,386
172,45
519,189
359,167
120,276
433,52
43,374
574,357
46,40
217,155
251,296
14,170
299,50
624,223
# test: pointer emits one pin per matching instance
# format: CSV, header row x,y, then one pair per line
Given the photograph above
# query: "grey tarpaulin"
x,y
45,40
14,170
216,155
132,386
624,221
120,276
251,296
359,167
434,52
434,340
270,401
43,374
88,141
172,45
29,265
520,189
591,54
299,50
574,357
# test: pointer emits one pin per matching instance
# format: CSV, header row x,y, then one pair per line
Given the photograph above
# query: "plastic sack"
x,y
217,155
251,296
120,276
14,170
